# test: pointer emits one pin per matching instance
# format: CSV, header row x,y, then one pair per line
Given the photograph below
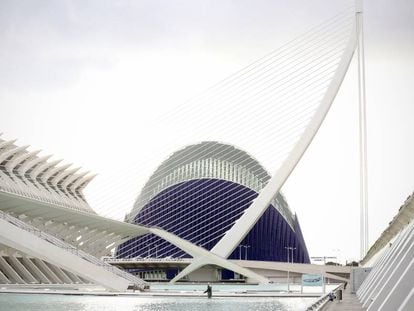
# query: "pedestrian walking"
x,y
209,291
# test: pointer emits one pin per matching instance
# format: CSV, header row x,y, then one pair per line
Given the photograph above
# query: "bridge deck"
x,y
349,302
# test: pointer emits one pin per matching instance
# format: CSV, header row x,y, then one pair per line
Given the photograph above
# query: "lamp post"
x,y
289,249
287,281
292,249
245,254
245,251
291,258
149,251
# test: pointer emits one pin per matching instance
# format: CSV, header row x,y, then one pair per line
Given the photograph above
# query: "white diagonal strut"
x,y
244,224
204,257
240,229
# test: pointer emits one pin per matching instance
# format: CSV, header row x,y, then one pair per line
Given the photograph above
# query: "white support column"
x,y
46,271
4,279
75,279
43,248
41,277
23,272
10,272
56,270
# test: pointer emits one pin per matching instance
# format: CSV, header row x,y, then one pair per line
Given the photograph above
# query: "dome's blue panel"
x,y
201,211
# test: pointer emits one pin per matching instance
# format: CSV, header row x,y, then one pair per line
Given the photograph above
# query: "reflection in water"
x,y
20,302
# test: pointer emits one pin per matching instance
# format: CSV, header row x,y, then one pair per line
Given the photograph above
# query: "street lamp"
x,y
245,251
246,247
293,248
289,249
149,251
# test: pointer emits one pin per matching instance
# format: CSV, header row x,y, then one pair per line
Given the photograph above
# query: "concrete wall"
x,y
358,276
205,274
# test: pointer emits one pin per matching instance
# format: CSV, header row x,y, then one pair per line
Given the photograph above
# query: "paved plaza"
x,y
349,302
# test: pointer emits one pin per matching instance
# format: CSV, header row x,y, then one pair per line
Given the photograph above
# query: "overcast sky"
x,y
83,80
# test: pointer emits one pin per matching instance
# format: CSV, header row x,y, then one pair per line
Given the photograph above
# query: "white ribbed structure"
x,y
26,174
50,234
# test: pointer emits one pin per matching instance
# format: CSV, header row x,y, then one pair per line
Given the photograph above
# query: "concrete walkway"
x,y
349,302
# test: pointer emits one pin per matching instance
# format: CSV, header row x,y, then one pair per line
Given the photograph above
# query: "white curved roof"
x,y
216,150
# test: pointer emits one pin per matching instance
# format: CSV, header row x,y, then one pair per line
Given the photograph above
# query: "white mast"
x,y
362,132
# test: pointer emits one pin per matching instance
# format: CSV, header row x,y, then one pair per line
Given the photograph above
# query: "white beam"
x,y
203,256
10,272
251,215
35,271
24,273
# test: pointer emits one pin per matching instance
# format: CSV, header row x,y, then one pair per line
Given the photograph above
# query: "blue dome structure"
x,y
198,193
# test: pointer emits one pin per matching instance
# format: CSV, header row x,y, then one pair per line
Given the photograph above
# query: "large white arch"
x,y
251,215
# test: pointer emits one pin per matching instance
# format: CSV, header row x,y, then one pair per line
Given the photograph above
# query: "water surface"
x,y
35,302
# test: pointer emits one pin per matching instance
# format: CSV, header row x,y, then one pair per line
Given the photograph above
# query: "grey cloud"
x,y
50,43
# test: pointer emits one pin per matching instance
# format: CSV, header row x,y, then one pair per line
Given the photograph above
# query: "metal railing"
x,y
323,300
147,259
73,250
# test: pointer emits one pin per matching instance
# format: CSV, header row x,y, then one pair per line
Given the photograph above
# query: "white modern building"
x,y
48,232
50,235
198,193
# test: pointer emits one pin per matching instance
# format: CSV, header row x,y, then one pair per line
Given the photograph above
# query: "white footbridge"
x,y
15,233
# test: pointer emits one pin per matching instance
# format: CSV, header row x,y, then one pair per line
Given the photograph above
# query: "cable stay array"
x,y
262,109
240,129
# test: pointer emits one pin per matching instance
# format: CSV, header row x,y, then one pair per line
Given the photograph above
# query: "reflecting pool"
x,y
37,302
